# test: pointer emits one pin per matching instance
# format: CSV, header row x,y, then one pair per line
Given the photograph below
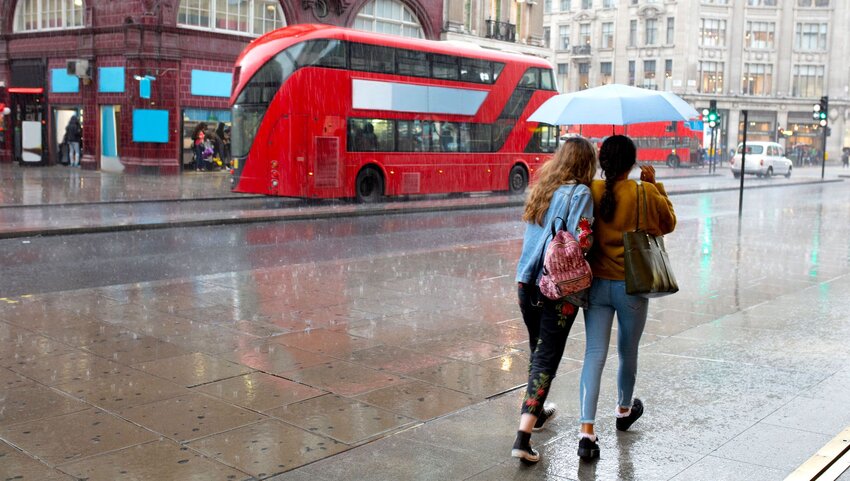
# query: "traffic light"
x,y
710,115
819,111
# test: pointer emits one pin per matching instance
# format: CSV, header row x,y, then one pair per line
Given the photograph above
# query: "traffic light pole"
x,y
743,164
823,155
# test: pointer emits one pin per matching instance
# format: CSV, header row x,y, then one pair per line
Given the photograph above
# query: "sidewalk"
x,y
409,373
49,219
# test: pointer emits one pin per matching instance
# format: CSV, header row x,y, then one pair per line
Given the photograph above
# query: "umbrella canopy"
x,y
613,104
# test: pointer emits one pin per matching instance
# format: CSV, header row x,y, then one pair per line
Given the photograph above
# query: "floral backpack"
x,y
566,273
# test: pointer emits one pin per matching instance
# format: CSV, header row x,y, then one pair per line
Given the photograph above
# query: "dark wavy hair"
x,y
616,157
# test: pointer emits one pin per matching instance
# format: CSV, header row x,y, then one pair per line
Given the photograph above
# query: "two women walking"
x,y
565,187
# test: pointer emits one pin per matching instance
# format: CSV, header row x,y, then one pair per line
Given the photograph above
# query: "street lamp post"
x,y
819,113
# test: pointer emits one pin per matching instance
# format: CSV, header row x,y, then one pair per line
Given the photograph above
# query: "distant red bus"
x,y
672,143
328,112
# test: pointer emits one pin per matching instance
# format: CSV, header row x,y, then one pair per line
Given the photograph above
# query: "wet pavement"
x,y
28,196
390,347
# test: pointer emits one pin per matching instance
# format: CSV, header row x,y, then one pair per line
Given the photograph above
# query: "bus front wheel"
x,y
673,161
517,180
369,186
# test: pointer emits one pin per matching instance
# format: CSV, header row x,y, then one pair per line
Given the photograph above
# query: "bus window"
x,y
475,138
448,137
497,70
372,58
412,63
472,70
547,80
326,53
444,67
544,140
370,135
410,133
530,79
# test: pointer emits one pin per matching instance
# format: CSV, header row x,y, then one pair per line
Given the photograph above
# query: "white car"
x,y
765,159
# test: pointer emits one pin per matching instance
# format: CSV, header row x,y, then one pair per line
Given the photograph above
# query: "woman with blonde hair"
x,y
559,199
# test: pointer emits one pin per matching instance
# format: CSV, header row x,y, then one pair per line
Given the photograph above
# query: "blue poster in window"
x,y
150,126
110,79
62,83
212,84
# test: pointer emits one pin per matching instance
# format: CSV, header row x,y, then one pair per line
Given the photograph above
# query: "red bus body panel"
x,y
646,135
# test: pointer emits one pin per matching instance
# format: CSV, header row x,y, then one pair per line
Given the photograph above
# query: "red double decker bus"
x,y
328,112
672,143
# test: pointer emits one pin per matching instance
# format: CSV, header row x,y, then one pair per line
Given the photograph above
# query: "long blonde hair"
x,y
575,161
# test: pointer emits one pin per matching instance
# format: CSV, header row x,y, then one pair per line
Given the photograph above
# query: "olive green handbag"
x,y
648,271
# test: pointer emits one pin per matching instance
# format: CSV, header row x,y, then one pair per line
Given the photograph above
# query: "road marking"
x,y
828,463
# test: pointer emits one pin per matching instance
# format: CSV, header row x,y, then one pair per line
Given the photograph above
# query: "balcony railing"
x,y
581,50
501,31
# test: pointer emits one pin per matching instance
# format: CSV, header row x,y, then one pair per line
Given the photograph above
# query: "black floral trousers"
x,y
548,323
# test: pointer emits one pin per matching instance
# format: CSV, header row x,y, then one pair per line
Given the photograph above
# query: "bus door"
x,y
294,155
327,157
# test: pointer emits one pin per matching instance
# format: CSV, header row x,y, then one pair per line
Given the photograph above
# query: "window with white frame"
x,y
606,72
565,5
711,77
761,3
251,17
547,6
631,72
632,33
586,4
547,36
760,35
712,32
584,34
564,37
813,3
671,30
757,79
651,31
563,76
35,15
388,16
810,37
607,35
609,4
807,81
649,75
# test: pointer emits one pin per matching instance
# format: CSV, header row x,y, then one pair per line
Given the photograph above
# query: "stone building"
x,y
773,58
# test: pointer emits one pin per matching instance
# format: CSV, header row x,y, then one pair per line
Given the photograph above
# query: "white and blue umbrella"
x,y
613,104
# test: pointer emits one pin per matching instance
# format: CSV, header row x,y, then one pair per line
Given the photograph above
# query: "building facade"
x,y
142,73
773,58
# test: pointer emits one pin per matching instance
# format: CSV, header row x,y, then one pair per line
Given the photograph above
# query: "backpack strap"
x,y
552,227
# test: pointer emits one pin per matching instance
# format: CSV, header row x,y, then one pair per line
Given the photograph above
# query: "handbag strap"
x,y
552,226
640,190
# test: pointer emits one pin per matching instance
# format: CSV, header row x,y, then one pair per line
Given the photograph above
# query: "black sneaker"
x,y
522,449
549,412
623,424
588,449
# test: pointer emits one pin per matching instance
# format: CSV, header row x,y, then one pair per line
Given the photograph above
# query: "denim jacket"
x,y
578,223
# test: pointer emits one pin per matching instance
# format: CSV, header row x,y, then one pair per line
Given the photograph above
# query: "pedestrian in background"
x,y
198,136
845,158
561,182
615,204
74,137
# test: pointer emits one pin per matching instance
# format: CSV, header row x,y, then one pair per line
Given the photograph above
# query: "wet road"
x,y
59,263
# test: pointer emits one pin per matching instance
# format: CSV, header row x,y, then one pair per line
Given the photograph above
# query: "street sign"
x,y
695,125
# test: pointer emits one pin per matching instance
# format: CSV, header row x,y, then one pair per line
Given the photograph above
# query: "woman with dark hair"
x,y
615,201
558,199
198,136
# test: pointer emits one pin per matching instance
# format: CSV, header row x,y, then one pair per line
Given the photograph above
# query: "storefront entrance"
x,y
61,117
30,126
109,135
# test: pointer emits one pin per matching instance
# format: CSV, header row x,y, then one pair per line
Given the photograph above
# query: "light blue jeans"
x,y
606,298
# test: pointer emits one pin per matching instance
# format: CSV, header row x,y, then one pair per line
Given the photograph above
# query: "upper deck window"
x,y
388,16
38,15
249,17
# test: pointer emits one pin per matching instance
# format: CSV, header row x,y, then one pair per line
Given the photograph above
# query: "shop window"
x,y
38,15
251,17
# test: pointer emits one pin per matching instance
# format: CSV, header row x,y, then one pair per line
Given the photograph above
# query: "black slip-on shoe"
x,y
623,424
548,413
588,449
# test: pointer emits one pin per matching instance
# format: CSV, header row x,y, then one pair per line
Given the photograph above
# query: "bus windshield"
x,y
252,102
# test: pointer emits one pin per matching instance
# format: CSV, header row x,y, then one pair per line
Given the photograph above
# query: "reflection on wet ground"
x,y
391,362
